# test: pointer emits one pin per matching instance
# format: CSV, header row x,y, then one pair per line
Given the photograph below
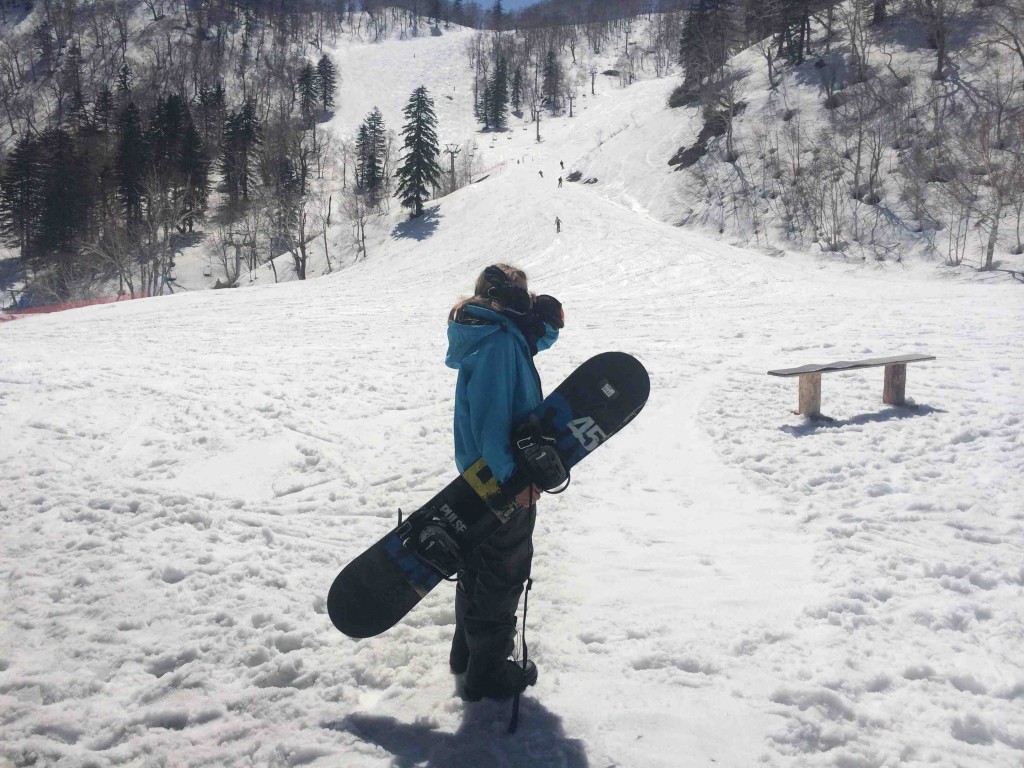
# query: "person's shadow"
x,y
482,739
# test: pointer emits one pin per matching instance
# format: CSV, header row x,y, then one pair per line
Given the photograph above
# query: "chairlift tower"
x,y
452,150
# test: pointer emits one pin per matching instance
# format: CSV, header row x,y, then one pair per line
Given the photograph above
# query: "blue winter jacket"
x,y
497,387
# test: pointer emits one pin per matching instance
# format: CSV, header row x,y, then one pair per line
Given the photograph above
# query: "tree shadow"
x,y
812,71
188,239
813,426
419,228
1017,275
481,739
11,272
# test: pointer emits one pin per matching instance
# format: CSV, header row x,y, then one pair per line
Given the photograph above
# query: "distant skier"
x,y
492,338
561,165
558,224
541,174
559,182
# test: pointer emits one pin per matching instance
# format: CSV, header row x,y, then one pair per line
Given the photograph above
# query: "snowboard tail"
x,y
374,591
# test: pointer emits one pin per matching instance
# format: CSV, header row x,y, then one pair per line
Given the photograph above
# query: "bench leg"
x,y
810,395
894,390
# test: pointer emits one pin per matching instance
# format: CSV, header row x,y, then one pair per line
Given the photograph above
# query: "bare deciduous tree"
x,y
939,18
357,210
766,47
1008,18
322,205
999,173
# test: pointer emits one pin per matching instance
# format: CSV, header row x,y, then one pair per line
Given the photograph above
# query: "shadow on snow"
x,y
419,228
481,739
813,426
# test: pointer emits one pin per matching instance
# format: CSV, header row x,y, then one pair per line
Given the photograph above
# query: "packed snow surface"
x,y
725,583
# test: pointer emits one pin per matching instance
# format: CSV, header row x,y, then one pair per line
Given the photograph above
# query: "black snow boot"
x,y
458,659
502,681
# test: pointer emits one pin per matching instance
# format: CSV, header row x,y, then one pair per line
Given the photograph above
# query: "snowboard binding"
x,y
439,550
429,540
538,459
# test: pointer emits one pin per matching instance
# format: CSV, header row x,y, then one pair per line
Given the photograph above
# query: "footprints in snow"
x,y
649,655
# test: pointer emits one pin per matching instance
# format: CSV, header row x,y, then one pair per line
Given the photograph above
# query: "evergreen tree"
x,y
130,163
709,31
419,171
491,107
21,197
498,15
517,89
46,198
457,11
166,182
282,181
67,197
124,81
378,132
211,113
69,82
328,81
196,171
45,45
552,84
371,151
482,108
362,142
99,142
249,126
242,138
309,94
794,24
70,75
78,113
103,110
498,87
165,134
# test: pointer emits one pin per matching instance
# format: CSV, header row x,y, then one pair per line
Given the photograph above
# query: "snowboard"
x,y
373,592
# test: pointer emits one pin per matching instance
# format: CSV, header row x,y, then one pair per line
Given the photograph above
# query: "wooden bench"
x,y
893,391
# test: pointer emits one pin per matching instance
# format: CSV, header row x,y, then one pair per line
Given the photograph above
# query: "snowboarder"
x,y
492,338
558,224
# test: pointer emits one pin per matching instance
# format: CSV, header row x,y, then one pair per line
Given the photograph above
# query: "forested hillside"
x,y
134,130
124,117
871,129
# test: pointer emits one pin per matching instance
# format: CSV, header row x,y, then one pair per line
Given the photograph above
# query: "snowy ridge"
x,y
183,477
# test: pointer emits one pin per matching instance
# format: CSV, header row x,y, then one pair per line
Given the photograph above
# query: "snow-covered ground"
x,y
724,583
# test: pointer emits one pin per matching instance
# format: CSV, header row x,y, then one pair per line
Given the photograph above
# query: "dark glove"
x,y
536,457
549,309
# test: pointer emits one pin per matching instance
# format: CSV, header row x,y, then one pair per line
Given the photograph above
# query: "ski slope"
x,y
725,584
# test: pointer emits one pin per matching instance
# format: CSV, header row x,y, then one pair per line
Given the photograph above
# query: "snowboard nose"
x,y
372,593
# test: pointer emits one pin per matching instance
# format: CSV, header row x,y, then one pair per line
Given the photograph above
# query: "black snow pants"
x,y
488,593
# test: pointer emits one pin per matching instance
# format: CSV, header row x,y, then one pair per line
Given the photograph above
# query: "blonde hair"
x,y
483,285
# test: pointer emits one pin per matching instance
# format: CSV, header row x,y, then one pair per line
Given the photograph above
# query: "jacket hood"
x,y
477,324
